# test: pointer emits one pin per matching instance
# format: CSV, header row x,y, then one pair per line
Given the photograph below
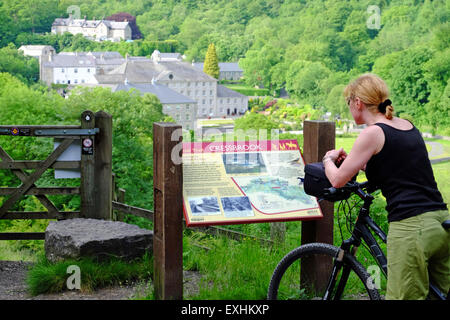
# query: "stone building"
x,y
74,68
228,70
40,52
181,108
93,29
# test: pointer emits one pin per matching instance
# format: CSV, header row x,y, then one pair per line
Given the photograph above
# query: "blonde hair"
x,y
373,92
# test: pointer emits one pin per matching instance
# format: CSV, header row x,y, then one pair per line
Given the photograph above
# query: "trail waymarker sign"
x,y
245,182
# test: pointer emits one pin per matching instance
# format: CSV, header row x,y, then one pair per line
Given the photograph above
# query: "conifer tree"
x,y
211,65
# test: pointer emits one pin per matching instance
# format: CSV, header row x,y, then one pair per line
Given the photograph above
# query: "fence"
x,y
100,197
94,132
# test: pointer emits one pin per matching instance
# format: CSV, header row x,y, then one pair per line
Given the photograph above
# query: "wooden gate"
x,y
92,166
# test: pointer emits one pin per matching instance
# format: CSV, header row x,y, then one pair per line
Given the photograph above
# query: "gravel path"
x,y
436,149
13,287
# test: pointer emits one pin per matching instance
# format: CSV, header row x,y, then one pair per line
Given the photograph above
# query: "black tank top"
x,y
403,172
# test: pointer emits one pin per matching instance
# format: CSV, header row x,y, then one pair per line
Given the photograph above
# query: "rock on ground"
x,y
75,238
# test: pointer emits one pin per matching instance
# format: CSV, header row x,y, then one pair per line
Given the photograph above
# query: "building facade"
x,y
181,108
73,68
98,30
228,70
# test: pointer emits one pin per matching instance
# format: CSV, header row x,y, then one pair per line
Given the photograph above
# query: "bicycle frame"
x,y
362,232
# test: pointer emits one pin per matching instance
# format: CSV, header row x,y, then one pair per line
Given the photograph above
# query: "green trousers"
x,y
418,250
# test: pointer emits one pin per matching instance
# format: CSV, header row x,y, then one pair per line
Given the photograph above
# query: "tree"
x,y
14,62
211,65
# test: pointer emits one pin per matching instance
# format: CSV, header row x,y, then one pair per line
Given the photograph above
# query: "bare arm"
x,y
368,143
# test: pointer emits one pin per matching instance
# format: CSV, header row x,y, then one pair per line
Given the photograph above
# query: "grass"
x,y
47,277
214,122
230,269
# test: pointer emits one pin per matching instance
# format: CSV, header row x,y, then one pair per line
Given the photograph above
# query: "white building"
x,y
212,99
73,68
93,29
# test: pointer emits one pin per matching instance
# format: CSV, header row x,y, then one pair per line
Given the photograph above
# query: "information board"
x,y
245,182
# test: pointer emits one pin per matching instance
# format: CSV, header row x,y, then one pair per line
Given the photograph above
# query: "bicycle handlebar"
x,y
350,187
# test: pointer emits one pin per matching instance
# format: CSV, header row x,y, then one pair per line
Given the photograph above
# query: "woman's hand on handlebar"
x,y
337,156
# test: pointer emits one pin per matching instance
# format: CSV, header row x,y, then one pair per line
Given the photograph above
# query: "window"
x,y
88,70
187,117
75,81
82,80
75,70
203,83
204,92
62,70
203,101
210,92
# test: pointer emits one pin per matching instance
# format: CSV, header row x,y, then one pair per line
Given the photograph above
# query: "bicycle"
x,y
341,260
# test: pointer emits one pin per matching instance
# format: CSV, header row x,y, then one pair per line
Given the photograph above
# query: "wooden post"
x,y
87,185
103,166
168,223
318,138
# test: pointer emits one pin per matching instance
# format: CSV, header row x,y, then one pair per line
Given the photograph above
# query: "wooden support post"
x,y
103,166
87,185
318,138
168,217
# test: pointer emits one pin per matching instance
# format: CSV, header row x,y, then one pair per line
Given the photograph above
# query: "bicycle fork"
x,y
338,267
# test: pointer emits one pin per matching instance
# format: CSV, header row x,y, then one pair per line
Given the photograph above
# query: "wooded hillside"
x,y
312,48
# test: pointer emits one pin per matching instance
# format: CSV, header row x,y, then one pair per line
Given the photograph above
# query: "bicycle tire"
x,y
318,249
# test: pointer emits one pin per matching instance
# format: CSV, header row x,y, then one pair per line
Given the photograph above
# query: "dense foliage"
x,y
133,117
310,48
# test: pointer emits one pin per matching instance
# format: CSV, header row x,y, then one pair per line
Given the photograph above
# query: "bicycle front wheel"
x,y
295,279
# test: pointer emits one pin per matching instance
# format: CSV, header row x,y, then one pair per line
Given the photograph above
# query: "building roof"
x,y
34,47
224,92
171,56
164,93
70,59
70,22
141,70
105,54
223,66
83,59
